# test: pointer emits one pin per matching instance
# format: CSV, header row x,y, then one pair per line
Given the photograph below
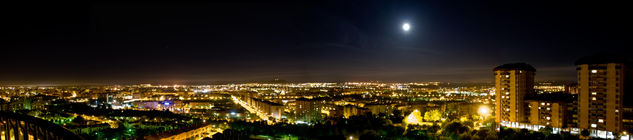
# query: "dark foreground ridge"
x,y
10,123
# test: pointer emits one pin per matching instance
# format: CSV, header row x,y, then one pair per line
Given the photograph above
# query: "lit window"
x,y
548,108
548,118
593,98
594,125
617,110
507,93
593,93
594,71
543,103
600,120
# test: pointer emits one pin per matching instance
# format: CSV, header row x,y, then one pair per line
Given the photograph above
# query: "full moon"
x,y
406,27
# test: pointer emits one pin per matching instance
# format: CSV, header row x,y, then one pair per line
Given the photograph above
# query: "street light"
x,y
484,111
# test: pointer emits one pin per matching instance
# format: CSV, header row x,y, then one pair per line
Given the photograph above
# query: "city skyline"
x,y
172,42
514,107
316,70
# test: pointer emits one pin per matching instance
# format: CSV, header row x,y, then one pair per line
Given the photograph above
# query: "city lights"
x,y
389,70
304,104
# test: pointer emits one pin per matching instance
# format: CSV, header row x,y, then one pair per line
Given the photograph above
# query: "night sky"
x,y
180,42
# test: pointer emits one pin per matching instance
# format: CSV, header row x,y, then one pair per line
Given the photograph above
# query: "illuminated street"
x,y
250,109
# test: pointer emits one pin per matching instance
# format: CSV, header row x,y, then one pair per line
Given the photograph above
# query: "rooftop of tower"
x,y
603,59
515,66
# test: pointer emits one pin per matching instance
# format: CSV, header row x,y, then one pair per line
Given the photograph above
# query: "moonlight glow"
x,y
406,26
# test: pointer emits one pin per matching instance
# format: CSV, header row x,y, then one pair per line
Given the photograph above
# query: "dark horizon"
x,y
195,83
325,41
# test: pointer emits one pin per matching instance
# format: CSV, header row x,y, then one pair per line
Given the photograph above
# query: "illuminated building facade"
x,y
603,83
351,110
512,82
190,133
307,110
271,109
550,109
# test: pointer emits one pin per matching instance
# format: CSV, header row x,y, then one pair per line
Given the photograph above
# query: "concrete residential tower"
x,y
603,82
512,82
